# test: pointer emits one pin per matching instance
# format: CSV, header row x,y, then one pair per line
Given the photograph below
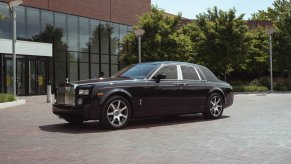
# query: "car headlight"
x,y
84,92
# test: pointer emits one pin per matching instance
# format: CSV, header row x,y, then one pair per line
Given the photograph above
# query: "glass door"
x,y
20,74
37,76
32,77
8,75
41,76
31,73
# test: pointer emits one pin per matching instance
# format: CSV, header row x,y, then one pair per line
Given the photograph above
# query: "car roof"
x,y
170,62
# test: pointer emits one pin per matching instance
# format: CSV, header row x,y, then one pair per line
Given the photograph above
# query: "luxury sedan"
x,y
144,90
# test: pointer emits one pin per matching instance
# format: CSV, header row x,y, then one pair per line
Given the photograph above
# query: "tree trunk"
x,y
225,74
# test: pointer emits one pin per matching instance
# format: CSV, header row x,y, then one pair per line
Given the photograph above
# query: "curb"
x,y
267,92
12,104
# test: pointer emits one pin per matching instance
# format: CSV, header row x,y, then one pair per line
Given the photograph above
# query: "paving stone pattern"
x,y
256,129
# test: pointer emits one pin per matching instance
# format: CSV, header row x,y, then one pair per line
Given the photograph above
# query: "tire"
x,y
214,107
116,113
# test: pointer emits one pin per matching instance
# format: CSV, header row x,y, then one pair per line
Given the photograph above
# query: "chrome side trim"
x,y
179,71
202,73
197,73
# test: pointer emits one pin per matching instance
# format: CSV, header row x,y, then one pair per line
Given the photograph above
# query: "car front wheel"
x,y
116,113
214,107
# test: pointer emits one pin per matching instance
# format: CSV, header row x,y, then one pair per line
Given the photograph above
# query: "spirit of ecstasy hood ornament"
x,y
67,80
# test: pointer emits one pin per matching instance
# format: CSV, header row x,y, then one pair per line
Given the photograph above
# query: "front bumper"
x,y
229,98
86,112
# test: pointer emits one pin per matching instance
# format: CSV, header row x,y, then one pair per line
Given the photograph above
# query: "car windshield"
x,y
138,71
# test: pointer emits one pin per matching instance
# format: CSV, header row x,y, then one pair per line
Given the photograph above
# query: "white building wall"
x,y
26,48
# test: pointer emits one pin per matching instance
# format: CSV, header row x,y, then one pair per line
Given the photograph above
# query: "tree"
x,y
220,40
281,8
257,60
162,39
280,15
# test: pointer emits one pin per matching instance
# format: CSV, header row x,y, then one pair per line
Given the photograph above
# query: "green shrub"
x,y
280,88
281,84
6,98
262,81
249,88
255,82
3,98
289,85
11,98
239,82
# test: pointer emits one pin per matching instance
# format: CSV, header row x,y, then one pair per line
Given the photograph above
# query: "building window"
x,y
47,18
60,75
61,26
94,40
114,69
73,71
21,23
84,66
105,70
73,39
60,55
94,70
82,47
114,36
84,71
33,22
5,24
84,34
104,36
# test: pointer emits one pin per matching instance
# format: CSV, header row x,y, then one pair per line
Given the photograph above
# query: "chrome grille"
x,y
66,95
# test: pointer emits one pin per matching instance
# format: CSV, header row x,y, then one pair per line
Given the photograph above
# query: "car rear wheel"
x,y
116,113
214,107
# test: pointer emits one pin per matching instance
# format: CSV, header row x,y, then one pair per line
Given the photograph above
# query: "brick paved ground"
x,y
256,129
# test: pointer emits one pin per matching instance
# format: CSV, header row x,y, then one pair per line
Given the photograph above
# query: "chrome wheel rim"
x,y
117,113
216,106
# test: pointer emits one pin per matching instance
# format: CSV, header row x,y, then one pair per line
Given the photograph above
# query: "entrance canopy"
x,y
26,48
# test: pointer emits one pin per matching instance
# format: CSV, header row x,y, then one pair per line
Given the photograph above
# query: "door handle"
x,y
184,84
181,84
177,84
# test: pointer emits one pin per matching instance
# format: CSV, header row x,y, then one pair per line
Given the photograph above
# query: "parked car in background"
x,y
144,90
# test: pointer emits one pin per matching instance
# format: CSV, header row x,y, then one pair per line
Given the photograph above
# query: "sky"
x,y
190,8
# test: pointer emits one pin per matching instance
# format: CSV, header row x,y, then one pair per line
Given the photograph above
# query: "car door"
x,y
163,98
194,89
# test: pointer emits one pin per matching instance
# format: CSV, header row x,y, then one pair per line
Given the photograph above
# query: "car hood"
x,y
101,80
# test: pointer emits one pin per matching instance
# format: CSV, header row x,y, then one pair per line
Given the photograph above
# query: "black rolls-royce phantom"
x,y
143,90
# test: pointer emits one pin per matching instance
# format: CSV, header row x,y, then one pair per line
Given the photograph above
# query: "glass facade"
x,y
82,47
5,24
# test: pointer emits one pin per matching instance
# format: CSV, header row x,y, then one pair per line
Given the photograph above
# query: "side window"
x,y
189,73
170,71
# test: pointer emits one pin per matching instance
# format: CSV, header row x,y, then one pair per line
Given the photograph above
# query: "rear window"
x,y
209,75
189,73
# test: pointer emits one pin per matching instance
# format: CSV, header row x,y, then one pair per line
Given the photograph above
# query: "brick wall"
x,y
122,11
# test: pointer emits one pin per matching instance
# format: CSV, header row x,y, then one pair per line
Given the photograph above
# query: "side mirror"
x,y
158,77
